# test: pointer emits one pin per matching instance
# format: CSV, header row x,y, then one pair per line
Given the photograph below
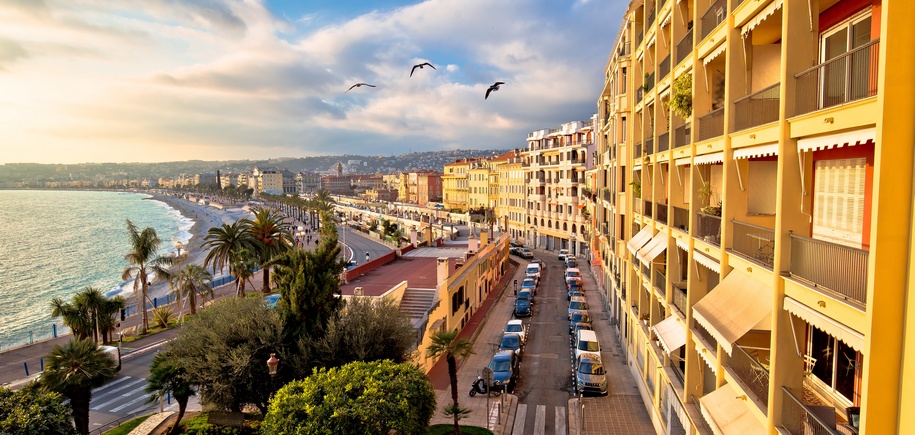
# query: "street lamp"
x,y
272,363
179,246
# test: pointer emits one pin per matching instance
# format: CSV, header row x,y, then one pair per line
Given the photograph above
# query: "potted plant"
x,y
681,96
705,195
636,188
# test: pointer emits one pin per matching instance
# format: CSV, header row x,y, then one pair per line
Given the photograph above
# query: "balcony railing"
x,y
735,4
649,9
638,38
685,46
646,271
681,219
758,108
754,242
714,16
711,125
707,337
661,213
649,146
701,425
664,67
664,141
637,205
638,151
649,82
798,419
682,135
845,78
679,299
639,94
751,372
648,207
660,282
831,267
709,228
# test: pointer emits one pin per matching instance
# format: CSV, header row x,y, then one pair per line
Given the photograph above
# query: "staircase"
x,y
416,301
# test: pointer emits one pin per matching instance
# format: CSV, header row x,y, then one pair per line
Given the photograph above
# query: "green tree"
x,y
224,351
144,261
33,411
89,313
191,280
225,243
165,376
73,370
379,397
446,343
367,330
271,239
242,267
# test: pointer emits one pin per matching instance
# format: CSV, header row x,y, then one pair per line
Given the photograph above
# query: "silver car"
x,y
590,376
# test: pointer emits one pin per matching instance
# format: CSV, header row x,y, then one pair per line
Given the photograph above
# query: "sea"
x,y
56,243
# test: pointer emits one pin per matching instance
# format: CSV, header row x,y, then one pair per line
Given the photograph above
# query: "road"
x,y
123,395
360,245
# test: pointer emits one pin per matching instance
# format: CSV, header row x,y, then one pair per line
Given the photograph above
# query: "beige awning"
x,y
637,167
664,94
738,304
820,321
682,161
728,412
651,41
707,159
706,261
671,334
710,359
639,239
666,19
838,140
760,17
711,56
683,244
756,151
652,249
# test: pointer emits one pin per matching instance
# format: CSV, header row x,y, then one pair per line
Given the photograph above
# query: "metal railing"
x,y
714,16
685,46
664,67
707,337
708,228
646,271
735,4
754,242
681,219
637,149
830,266
648,208
798,419
682,135
664,141
649,82
649,8
638,38
649,146
660,282
757,108
661,214
751,372
711,125
845,78
679,299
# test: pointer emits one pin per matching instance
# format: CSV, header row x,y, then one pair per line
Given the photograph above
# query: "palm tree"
x,y
242,267
272,240
79,323
446,343
92,302
165,376
73,370
225,243
144,261
190,280
89,314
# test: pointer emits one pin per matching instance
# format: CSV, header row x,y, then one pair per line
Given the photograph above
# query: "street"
x,y
123,395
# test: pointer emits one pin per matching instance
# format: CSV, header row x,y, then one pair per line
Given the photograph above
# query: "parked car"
x,y
522,308
576,292
514,251
533,271
512,341
517,327
578,317
529,283
580,326
586,342
526,253
504,366
562,254
577,304
590,376
516,244
526,294
575,287
570,262
572,275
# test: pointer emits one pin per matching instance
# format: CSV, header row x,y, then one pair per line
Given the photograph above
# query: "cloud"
x,y
10,52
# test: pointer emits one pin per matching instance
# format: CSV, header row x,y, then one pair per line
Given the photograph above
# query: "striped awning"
x,y
760,17
707,159
727,413
637,167
710,360
838,140
852,338
711,56
671,334
737,305
653,248
639,239
706,261
664,94
683,244
651,41
682,162
756,151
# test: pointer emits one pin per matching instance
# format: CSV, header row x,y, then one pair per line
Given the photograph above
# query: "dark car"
x,y
570,262
580,326
523,308
526,294
516,244
512,341
573,293
504,366
530,284
578,317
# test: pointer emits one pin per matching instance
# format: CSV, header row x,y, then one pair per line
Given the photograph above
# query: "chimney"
x,y
442,269
484,237
358,291
472,243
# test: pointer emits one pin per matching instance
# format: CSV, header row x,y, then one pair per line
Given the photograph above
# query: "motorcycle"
x,y
479,386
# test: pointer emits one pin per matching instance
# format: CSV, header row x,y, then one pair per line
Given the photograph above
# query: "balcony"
x,y
711,125
754,243
735,4
685,46
682,135
830,268
661,214
681,219
753,374
798,418
639,93
639,38
758,108
664,141
638,151
649,146
709,228
848,77
664,67
706,336
648,207
649,8
660,282
679,299
649,82
714,16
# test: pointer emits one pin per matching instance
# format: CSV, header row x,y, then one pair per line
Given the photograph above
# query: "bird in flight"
x,y
357,85
494,87
420,66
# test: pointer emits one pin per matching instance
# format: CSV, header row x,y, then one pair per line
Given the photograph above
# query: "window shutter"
x,y
838,205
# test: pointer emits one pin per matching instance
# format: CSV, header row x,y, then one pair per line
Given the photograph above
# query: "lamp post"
x,y
178,245
272,364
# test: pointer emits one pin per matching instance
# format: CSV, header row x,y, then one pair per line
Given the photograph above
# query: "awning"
x,y
666,19
682,161
706,261
760,17
728,412
671,334
683,244
756,151
837,140
820,321
637,167
652,249
707,159
651,41
639,239
664,94
710,360
711,56
738,304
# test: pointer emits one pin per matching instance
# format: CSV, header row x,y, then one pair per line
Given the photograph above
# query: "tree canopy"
x,y
33,411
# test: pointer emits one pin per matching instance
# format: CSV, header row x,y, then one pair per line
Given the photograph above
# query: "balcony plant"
x,y
681,96
705,196
645,85
636,188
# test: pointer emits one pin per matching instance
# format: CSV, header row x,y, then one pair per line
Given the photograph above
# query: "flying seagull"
x,y
494,87
420,66
359,85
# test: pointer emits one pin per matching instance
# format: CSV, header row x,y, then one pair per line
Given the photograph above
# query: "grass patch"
x,y
446,429
125,428
199,424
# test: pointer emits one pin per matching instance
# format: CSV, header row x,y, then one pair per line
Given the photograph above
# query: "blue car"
x,y
523,307
512,341
504,367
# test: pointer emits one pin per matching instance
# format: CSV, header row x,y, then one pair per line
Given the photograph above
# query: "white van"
x,y
114,353
533,271
586,342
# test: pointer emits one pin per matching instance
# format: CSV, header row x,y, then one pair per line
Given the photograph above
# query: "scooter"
x,y
479,386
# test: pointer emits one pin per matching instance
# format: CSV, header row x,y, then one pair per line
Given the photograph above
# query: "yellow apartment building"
x,y
455,184
511,203
754,212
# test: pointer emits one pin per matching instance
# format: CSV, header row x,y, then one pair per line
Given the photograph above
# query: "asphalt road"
x,y
124,395
360,245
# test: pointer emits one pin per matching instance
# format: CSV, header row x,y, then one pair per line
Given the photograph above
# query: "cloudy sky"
x,y
167,80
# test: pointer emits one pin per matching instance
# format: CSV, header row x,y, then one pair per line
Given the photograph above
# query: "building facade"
x,y
511,204
455,184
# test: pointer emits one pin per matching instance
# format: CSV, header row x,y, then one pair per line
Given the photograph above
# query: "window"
x,y
837,365
835,42
838,200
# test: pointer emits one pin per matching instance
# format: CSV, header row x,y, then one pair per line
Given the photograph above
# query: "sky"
x,y
174,80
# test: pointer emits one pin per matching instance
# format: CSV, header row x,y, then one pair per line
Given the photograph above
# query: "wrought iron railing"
x,y
757,108
664,141
681,219
664,67
798,419
649,146
679,299
845,78
685,46
711,125
751,372
660,282
661,213
682,135
830,266
714,16
754,242
708,228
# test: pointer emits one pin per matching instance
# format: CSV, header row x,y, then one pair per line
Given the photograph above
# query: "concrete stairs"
x,y
416,301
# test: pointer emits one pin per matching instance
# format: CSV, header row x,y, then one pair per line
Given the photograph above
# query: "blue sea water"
x,y
55,243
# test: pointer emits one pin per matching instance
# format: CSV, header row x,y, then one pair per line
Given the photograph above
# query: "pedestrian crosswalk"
x,y
122,396
541,419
